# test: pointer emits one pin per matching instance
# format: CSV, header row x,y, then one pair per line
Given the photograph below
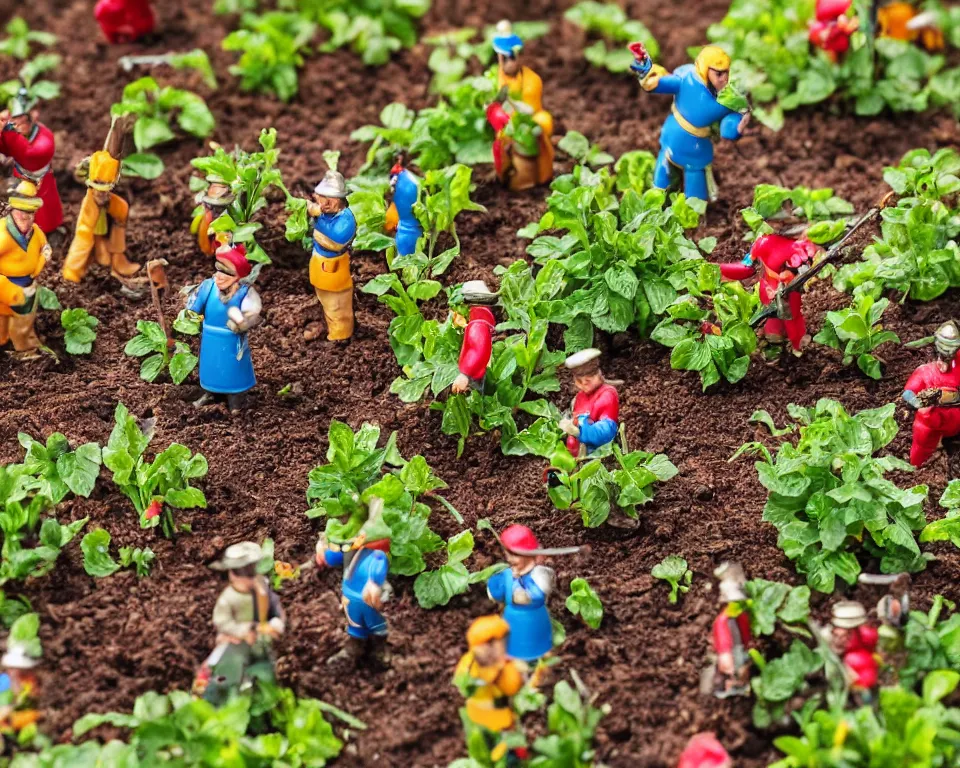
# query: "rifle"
x,y
773,309
158,289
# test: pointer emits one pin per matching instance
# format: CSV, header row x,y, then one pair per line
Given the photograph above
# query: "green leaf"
x,y
583,601
96,554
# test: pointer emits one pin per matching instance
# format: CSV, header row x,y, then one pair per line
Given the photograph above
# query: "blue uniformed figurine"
x,y
685,142
365,587
401,221
230,308
524,589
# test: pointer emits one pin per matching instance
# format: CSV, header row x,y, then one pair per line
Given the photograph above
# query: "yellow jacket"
x,y
487,706
89,223
526,86
17,261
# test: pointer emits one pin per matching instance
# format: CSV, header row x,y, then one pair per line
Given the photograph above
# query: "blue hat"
x,y
505,42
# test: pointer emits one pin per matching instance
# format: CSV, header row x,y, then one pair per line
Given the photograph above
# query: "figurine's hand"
x,y
4,116
313,210
373,596
460,384
46,252
725,663
928,397
520,596
569,428
744,122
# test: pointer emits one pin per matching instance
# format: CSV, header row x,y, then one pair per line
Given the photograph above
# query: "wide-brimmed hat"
x,y
17,657
732,579
583,362
332,185
239,556
25,197
848,614
477,292
218,193
104,171
485,629
506,42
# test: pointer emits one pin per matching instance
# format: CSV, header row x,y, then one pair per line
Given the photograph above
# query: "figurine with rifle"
x,y
933,390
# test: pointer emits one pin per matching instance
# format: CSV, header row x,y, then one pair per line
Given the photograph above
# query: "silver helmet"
x,y
947,339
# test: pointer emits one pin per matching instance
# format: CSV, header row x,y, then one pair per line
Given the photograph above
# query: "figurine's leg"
x,y
662,171
122,266
774,330
23,333
100,251
695,184
796,328
338,312
926,440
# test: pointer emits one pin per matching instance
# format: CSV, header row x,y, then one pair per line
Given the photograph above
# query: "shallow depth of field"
x,y
814,156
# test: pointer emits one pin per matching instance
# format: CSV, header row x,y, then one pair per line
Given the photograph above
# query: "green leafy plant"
x,y
828,496
585,603
931,640
22,39
79,331
250,176
98,562
608,21
856,331
152,344
780,681
357,472
434,588
821,207
29,77
155,487
52,470
272,48
771,601
157,108
580,149
196,59
673,570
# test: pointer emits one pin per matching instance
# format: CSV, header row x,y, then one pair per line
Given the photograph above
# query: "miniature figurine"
x,y
524,589
934,391
29,143
902,21
477,337
892,609
334,228
230,309
124,21
18,691
596,408
833,27
487,679
214,200
401,221
365,564
779,260
685,144
102,223
23,255
248,617
855,642
731,635
523,157
704,751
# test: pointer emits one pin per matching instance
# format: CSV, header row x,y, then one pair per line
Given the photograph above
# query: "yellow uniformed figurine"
x,y
522,91
101,225
23,254
487,678
902,21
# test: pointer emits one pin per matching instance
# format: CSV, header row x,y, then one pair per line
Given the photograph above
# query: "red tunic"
x,y
124,21
724,640
778,258
602,403
477,343
32,157
498,118
829,32
858,656
931,425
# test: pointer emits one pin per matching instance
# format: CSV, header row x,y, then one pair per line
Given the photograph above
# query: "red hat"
x,y
704,751
484,314
828,10
396,170
519,540
235,256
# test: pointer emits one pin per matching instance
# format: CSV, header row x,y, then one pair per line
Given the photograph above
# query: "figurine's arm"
x,y
391,220
10,293
596,433
476,350
118,210
497,587
376,576
198,298
326,557
250,309
278,618
45,251
740,270
658,80
732,126
224,621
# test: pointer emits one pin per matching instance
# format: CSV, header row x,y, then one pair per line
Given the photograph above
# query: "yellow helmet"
x,y
104,171
711,57
485,629
25,197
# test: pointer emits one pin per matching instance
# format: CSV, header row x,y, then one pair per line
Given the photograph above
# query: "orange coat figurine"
x,y
23,254
214,200
101,225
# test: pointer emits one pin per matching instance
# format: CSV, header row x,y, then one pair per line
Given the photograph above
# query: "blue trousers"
x,y
694,181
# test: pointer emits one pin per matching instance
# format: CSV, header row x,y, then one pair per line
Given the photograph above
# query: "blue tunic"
x,y
339,228
369,565
531,634
697,105
405,194
225,364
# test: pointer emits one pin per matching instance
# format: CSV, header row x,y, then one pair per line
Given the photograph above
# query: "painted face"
x,y
490,653
328,204
509,64
23,219
101,198
588,383
718,79
225,277
240,583
520,564
22,124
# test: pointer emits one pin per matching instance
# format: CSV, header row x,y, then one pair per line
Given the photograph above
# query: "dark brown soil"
x,y
108,640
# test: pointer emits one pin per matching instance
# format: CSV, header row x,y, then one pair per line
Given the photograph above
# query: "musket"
x,y
832,255
158,288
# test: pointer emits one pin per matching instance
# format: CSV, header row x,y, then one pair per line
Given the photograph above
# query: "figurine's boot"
x,y
338,312
379,650
205,399
348,656
121,266
236,402
22,332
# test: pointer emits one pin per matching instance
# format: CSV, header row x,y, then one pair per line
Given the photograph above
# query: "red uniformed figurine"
x,y
856,643
731,635
595,411
477,338
934,391
833,27
30,145
778,259
704,751
124,21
